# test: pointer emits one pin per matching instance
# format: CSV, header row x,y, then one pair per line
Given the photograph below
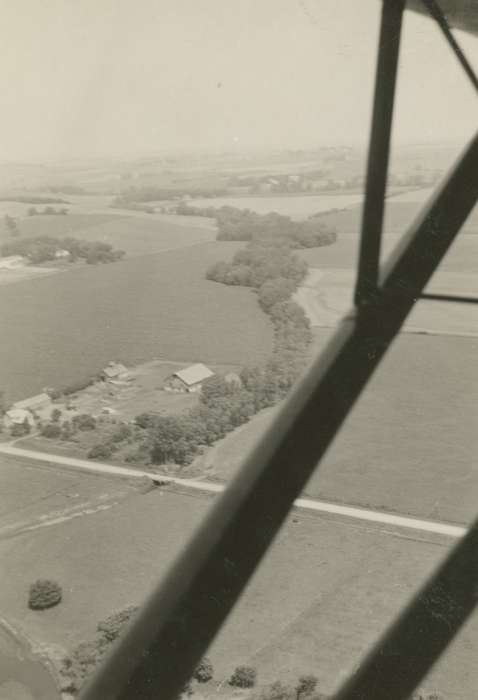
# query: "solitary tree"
x,y
11,225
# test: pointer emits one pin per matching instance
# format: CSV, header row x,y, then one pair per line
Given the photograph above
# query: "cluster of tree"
x,y
55,429
153,194
275,272
47,211
235,224
176,439
88,655
258,263
40,249
306,689
34,200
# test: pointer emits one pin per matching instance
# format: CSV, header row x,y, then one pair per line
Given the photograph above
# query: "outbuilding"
x,y
115,371
34,403
189,379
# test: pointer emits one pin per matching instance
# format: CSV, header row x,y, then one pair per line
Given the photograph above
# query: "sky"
x,y
122,77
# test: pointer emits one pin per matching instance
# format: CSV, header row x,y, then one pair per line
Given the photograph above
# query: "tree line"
x,y
155,194
40,249
235,224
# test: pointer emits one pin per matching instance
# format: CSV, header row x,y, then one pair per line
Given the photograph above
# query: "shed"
x,y
114,370
189,379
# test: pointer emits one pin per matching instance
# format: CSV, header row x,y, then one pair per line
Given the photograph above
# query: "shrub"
x,y
84,659
306,686
111,628
84,422
100,451
51,430
123,433
243,677
66,430
44,594
204,671
55,415
136,456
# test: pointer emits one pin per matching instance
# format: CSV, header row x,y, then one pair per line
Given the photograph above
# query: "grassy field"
x,y
66,327
137,235
325,591
296,206
409,445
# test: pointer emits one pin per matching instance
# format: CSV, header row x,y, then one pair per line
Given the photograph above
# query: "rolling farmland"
x,y
68,326
312,606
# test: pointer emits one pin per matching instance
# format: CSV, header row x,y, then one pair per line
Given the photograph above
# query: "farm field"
x,y
67,327
409,445
326,295
461,257
330,605
295,206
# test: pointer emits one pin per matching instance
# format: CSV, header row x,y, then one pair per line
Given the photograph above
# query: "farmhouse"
x,y
17,416
61,253
189,379
114,371
34,403
12,262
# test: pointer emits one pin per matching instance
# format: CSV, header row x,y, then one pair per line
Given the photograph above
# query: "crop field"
x,y
400,212
324,592
67,327
410,444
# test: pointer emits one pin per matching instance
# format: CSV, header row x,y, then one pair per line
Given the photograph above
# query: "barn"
x,y
189,379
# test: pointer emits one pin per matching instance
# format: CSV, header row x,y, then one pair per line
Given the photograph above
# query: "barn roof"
x,y
194,374
114,369
33,402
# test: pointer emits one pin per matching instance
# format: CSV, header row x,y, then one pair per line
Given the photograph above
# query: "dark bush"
x,y
51,430
44,594
122,433
204,671
243,677
100,451
55,415
84,422
306,686
145,420
278,691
